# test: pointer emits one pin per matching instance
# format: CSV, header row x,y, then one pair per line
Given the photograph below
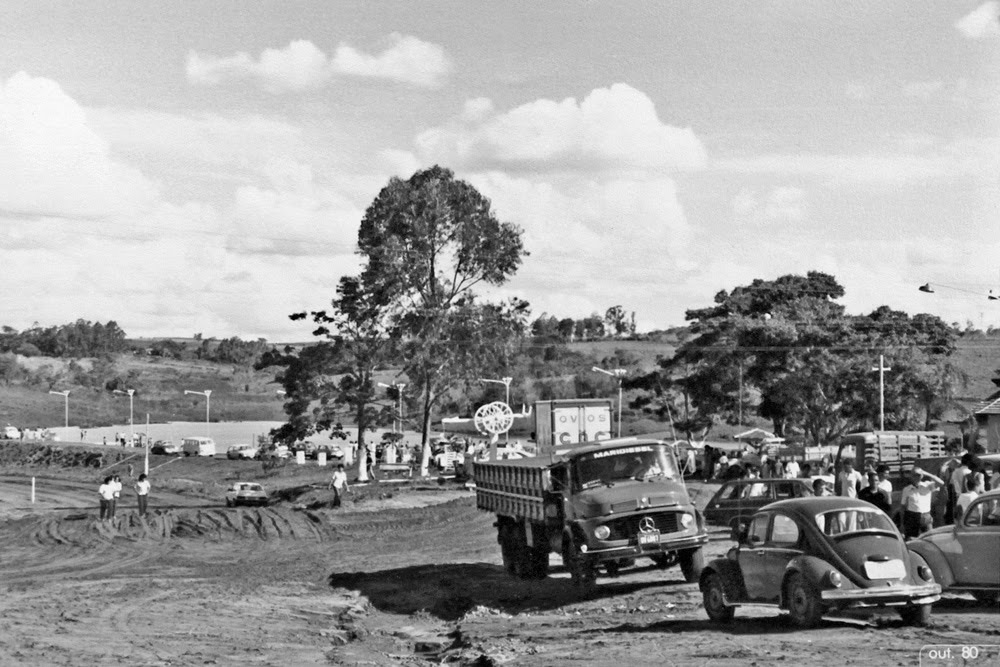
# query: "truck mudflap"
x,y
640,551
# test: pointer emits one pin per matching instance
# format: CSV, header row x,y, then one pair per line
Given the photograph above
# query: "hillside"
x,y
240,393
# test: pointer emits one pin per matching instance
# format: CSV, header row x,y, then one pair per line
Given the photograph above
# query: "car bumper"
x,y
888,597
635,551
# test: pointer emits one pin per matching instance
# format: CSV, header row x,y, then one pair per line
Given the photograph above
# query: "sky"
x,y
193,167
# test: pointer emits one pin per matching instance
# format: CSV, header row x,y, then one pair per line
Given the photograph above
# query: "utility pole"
x,y
881,368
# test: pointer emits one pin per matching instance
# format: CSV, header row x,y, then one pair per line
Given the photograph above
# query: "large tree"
x,y
339,371
789,342
427,242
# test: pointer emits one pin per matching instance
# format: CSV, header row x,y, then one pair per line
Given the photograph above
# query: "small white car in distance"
x,y
246,493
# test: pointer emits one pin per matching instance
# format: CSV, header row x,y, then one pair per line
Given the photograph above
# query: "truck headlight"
x,y
602,532
686,520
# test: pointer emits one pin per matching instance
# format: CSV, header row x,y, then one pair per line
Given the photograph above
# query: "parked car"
x,y
246,493
11,433
241,452
334,453
964,556
737,500
810,556
198,446
165,447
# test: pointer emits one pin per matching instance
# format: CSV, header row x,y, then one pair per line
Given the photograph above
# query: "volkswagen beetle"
x,y
964,556
811,556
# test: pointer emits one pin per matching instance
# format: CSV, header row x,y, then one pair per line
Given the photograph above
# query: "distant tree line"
x,y
79,339
614,324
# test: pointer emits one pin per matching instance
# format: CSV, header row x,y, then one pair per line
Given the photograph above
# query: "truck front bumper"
x,y
667,544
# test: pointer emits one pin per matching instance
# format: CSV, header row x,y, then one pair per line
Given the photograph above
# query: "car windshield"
x,y
638,462
854,520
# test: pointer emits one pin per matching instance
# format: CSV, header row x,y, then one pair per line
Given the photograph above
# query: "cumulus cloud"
x,y
982,22
407,59
611,129
303,66
53,163
781,204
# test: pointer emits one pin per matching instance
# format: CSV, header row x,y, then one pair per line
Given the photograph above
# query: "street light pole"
x,y
131,412
881,368
506,383
618,374
64,394
208,400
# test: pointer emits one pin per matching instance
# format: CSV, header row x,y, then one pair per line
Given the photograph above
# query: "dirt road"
x,y
411,579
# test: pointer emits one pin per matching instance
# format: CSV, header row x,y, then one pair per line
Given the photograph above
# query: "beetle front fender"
x,y
934,558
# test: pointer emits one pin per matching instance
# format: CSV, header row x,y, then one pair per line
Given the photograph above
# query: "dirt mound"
x,y
13,453
272,523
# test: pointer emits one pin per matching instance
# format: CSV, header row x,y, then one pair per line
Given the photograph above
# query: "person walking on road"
x,y
142,493
339,484
106,492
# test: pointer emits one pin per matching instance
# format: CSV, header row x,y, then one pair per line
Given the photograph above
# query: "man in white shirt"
x,y
916,502
106,492
849,481
975,484
142,493
958,479
884,485
792,469
339,484
116,488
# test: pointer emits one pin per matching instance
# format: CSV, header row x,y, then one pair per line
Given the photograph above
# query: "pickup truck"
x,y
605,503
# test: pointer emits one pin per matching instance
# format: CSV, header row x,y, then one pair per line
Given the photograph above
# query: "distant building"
x,y
987,413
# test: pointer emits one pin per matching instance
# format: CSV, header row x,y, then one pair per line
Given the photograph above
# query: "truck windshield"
x,y
636,462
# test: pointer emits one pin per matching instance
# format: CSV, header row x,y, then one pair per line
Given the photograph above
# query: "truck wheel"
x,y
692,563
507,551
538,562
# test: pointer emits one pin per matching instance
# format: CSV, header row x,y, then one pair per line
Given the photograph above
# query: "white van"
x,y
196,446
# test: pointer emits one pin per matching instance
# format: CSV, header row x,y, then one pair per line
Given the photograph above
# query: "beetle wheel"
x,y
918,615
714,599
803,601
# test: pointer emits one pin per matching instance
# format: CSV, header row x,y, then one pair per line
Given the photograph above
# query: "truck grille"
x,y
627,527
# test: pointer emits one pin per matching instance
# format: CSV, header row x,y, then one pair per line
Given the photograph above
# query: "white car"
x,y
11,433
241,452
246,493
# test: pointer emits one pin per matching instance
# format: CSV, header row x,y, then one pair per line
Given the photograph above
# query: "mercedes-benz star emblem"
x,y
647,525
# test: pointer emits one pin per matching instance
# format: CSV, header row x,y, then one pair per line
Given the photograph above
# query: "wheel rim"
x,y
716,598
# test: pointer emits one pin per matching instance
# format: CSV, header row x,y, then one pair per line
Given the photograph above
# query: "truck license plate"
x,y
647,539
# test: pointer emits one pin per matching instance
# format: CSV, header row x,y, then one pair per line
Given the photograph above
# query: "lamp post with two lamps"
x,y
64,394
131,412
208,400
618,374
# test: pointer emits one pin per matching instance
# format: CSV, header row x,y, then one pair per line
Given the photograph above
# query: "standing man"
x,y
872,494
916,502
848,481
142,493
792,469
116,488
339,484
106,492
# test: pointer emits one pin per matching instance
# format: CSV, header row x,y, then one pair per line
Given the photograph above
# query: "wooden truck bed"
x,y
514,488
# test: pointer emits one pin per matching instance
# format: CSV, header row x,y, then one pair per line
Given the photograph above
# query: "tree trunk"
x,y
362,449
425,435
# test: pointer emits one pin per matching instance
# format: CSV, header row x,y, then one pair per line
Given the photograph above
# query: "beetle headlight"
x,y
925,573
686,520
602,532
833,578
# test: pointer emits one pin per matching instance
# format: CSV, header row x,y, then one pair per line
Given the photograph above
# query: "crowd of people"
x,y
927,498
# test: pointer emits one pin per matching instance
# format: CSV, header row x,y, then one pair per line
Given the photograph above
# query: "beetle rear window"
x,y
842,522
